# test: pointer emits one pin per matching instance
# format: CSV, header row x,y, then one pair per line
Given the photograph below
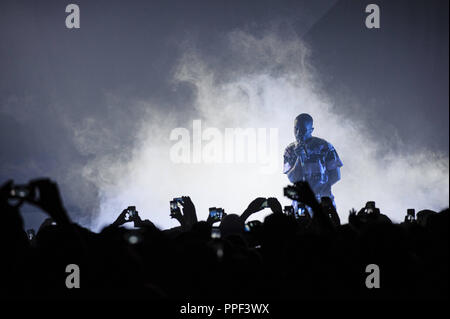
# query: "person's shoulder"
x,y
321,144
291,146
321,141
317,141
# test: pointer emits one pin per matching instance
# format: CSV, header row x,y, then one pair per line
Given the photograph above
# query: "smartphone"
x,y
301,212
131,212
178,200
30,234
254,223
220,211
265,204
215,233
370,207
21,191
173,205
290,192
411,213
289,210
216,213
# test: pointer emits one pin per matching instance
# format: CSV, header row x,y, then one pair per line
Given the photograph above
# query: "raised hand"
x,y
306,195
48,199
255,206
123,218
353,219
176,213
274,205
189,210
214,219
138,222
329,209
299,150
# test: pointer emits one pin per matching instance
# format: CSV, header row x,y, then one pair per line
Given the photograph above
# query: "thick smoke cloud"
x,y
259,81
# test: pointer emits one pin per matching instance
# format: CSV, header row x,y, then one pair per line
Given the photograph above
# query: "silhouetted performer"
x,y
312,159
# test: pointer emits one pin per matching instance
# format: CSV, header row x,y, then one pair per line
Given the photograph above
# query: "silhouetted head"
x,y
231,224
303,127
422,216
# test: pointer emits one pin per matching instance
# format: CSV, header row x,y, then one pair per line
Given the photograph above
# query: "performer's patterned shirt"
x,y
317,158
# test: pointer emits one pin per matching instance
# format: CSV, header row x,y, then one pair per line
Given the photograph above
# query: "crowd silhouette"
x,y
286,257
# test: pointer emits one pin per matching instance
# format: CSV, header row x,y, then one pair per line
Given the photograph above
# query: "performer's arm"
x,y
295,172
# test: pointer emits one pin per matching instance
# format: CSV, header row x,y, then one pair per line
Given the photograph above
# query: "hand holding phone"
x,y
301,192
22,192
265,204
18,194
410,215
216,214
130,213
179,200
289,210
127,215
370,208
274,205
256,205
47,197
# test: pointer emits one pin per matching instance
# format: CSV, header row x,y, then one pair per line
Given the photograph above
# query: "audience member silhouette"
x,y
285,257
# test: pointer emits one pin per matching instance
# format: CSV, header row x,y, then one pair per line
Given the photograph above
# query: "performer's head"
x,y
303,127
